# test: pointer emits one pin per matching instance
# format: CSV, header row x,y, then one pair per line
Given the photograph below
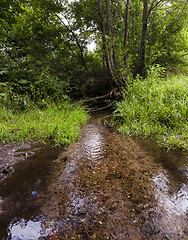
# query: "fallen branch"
x,y
99,109
113,94
96,98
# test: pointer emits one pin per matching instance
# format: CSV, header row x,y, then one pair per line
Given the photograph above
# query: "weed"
x,y
58,123
156,107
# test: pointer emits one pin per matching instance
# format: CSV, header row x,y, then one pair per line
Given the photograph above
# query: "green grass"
x,y
156,107
58,123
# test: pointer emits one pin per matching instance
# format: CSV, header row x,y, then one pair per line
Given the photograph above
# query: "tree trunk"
x,y
126,36
77,42
110,33
109,51
143,38
103,31
111,45
146,14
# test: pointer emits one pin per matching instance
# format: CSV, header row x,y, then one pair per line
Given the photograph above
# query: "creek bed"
x,y
104,186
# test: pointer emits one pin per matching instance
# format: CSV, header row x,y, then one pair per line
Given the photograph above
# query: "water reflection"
x,y
175,202
31,230
25,230
19,196
84,157
93,145
172,203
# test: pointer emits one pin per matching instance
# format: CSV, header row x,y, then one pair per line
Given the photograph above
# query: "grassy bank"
x,y
58,123
156,107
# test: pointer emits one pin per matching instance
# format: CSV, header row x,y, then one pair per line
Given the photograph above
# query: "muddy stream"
x,y
104,186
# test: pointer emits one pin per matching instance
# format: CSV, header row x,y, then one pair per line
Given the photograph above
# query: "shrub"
x,y
157,107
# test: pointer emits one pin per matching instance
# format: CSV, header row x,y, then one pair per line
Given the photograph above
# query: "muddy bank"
x,y
10,155
108,187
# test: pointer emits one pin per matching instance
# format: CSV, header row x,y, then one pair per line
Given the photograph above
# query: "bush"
x,y
156,107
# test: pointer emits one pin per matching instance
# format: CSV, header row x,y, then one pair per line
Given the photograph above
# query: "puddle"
x,y
20,199
105,186
32,229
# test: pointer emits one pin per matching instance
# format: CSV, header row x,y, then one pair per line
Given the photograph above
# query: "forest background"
x,y
141,49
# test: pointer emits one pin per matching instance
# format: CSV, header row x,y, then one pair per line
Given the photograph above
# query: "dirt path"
x,y
108,187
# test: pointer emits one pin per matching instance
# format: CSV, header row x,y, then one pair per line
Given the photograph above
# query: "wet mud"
x,y
104,186
10,155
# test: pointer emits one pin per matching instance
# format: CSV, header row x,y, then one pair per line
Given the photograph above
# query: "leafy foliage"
x,y
44,56
48,39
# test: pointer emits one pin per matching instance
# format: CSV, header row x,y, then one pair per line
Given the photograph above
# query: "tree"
x,y
143,38
43,43
168,9
126,35
108,38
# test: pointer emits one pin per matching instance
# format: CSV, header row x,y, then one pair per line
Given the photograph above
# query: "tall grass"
x,y
156,107
58,123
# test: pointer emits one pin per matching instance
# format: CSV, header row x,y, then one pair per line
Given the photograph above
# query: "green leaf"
x,y
22,81
5,71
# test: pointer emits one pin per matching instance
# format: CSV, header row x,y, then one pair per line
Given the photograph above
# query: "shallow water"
x,y
20,215
104,186
171,189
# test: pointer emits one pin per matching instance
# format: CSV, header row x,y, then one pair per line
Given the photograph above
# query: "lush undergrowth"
x,y
156,107
58,123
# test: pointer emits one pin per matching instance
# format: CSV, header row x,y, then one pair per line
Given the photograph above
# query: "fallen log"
x,y
99,109
113,94
96,98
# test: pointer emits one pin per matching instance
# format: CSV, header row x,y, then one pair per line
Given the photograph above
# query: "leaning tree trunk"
x,y
143,38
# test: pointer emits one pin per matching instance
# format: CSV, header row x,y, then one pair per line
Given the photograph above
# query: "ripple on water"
x,y
93,143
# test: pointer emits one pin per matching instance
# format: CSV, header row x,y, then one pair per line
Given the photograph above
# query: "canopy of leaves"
x,y
43,44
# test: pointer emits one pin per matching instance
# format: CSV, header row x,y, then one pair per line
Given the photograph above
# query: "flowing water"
x,y
104,186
